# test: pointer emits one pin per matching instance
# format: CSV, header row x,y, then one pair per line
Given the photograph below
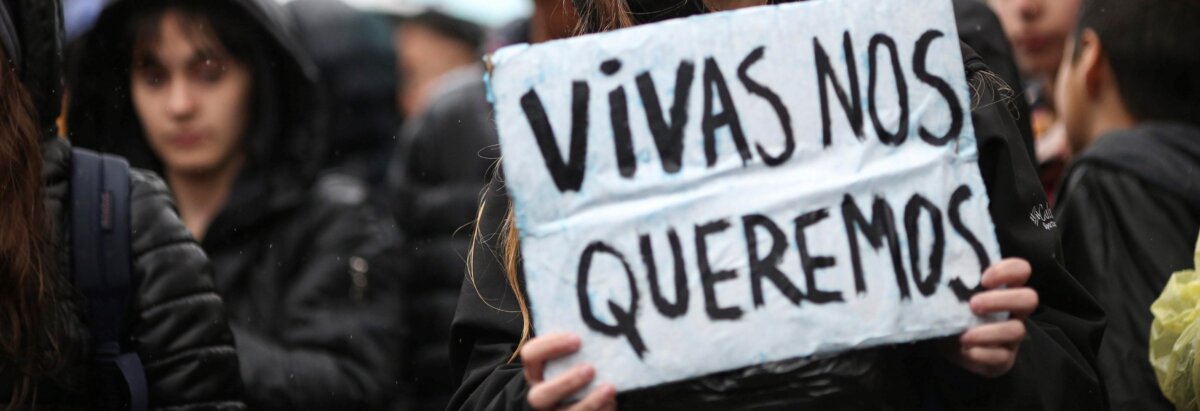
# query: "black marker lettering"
x,y
912,215
851,105
619,114
943,88
680,306
568,175
768,266
961,195
624,318
901,133
882,226
811,263
785,119
708,278
727,117
668,137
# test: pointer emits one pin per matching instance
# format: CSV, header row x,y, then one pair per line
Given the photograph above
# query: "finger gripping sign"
x,y
710,193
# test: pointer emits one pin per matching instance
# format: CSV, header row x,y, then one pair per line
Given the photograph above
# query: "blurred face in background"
x,y
191,96
425,55
1038,30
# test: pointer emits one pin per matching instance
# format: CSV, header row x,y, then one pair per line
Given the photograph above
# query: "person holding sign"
x,y
674,316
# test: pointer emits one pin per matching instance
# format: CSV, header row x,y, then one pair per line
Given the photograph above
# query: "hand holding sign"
x,y
990,349
785,175
546,395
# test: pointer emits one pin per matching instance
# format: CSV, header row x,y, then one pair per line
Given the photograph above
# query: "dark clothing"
x,y
1130,213
979,27
178,323
311,286
307,272
36,53
1055,365
441,166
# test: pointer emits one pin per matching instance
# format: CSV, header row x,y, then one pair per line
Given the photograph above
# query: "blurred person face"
x,y
425,55
1038,30
191,97
1086,95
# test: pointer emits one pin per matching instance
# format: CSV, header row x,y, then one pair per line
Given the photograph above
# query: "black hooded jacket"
x,y
1129,210
306,270
1055,366
176,320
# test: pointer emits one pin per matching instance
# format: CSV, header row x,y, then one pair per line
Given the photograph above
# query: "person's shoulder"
x,y
340,202
154,218
1090,187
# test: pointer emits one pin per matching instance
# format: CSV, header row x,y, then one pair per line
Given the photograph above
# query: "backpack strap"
x,y
100,240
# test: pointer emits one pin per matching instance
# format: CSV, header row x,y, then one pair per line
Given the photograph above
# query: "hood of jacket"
x,y
283,144
31,33
1162,154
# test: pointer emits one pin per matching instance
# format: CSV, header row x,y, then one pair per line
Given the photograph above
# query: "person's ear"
x,y
1092,62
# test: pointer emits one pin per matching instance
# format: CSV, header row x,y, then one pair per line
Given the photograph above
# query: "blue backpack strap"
x,y
101,260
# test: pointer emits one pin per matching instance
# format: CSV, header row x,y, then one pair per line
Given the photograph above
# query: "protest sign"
x,y
714,192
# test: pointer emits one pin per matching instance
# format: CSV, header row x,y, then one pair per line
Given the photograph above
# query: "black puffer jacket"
x,y
178,324
307,271
441,166
1055,367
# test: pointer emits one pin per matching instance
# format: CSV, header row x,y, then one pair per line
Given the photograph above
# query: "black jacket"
x,y
178,324
1129,210
176,320
307,272
441,166
1055,365
979,27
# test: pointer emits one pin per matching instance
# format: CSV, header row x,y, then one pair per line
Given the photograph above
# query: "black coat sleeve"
x,y
341,310
1123,239
180,332
1056,363
487,325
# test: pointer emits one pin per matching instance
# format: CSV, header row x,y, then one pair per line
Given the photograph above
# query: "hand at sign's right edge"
x,y
990,349
549,394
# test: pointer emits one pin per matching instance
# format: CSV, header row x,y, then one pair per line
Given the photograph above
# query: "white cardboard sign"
x,y
709,193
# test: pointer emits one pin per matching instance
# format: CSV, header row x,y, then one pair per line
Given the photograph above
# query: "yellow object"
x,y
1175,338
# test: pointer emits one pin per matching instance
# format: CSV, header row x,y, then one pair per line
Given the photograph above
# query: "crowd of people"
x,y
317,218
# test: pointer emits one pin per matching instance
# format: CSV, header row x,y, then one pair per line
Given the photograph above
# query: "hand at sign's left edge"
x,y
990,349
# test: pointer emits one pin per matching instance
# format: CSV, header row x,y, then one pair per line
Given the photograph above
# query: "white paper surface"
x,y
722,326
